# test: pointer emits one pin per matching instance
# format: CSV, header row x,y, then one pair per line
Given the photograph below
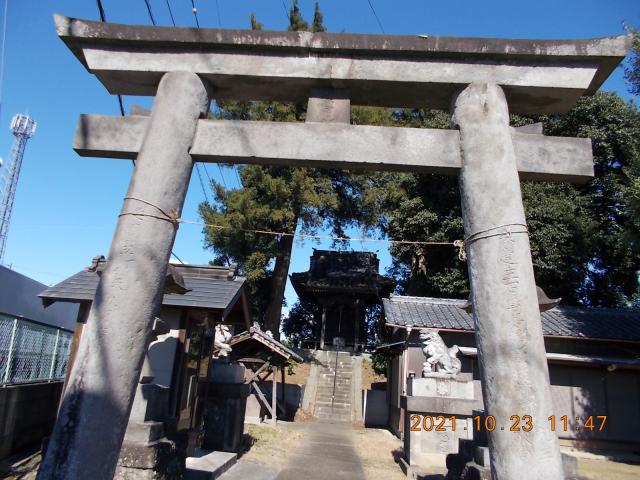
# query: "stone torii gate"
x,y
483,80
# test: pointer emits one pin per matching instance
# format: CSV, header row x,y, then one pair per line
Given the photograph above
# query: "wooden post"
x,y
274,393
283,379
324,324
357,327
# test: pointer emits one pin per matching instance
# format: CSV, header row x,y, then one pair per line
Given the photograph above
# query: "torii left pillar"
x,y
88,434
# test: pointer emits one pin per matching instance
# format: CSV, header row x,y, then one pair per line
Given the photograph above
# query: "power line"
x,y
286,12
221,175
171,13
218,11
204,191
376,15
153,20
195,12
103,18
177,258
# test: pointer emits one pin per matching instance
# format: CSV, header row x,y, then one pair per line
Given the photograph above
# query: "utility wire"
x,y
218,11
376,15
173,20
204,191
153,20
195,12
286,12
103,18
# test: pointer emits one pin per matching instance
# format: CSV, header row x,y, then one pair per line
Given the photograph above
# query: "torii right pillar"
x,y
511,352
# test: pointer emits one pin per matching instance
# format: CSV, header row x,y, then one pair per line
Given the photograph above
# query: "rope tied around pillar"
x,y
497,231
171,217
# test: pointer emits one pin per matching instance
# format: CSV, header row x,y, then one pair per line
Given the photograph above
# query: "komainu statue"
x,y
221,340
440,358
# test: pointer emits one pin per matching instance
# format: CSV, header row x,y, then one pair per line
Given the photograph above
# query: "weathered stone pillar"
x,y
513,366
88,434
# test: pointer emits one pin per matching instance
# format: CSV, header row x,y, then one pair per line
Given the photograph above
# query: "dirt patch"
x,y
370,376
304,416
271,445
378,451
596,469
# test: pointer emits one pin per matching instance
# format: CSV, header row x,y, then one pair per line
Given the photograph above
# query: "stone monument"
x,y
443,392
225,398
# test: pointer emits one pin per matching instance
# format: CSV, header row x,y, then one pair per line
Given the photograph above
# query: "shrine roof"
x,y
346,272
539,76
207,287
561,321
261,340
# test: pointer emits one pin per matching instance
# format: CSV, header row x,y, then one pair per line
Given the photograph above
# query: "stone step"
x,y
337,407
328,396
346,387
346,414
207,465
341,392
334,417
337,383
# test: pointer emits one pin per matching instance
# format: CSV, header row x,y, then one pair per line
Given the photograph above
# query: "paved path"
x,y
326,452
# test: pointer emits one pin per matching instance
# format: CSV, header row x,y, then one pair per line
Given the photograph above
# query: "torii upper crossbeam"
x,y
484,79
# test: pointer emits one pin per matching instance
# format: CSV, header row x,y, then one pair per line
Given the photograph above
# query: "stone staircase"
x,y
334,388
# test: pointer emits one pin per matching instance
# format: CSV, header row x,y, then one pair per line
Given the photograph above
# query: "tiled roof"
x,y
209,288
263,338
561,321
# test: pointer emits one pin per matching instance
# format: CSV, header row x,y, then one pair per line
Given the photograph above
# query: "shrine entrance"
x,y
483,80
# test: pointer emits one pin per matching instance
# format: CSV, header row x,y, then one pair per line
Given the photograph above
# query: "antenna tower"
x,y
23,127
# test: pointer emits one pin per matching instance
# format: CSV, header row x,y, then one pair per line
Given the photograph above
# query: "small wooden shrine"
x,y
343,285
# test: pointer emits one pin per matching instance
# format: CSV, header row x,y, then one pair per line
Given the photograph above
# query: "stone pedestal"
x,y
438,395
146,453
224,407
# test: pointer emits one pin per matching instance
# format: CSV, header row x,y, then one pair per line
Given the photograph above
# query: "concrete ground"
x,y
323,450
327,451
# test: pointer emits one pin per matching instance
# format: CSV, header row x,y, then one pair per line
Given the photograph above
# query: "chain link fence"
x,y
30,352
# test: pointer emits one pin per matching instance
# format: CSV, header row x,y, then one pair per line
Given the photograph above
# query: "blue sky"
x,y
66,207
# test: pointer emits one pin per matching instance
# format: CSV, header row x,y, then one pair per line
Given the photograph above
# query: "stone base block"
x,y
144,432
207,465
461,386
157,460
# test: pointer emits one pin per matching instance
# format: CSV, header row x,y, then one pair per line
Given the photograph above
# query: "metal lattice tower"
x,y
23,128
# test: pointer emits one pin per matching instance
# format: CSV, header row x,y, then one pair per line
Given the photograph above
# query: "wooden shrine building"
x,y
342,285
